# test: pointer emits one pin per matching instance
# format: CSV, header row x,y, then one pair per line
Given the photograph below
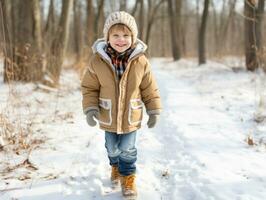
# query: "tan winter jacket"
x,y
120,104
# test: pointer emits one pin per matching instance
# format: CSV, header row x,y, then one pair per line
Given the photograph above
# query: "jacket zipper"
x,y
120,122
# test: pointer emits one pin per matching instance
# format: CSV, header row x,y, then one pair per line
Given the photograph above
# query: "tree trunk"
x,y
50,25
25,59
162,38
202,33
123,5
184,23
90,25
134,10
198,15
175,49
216,32
49,32
151,18
250,35
78,34
59,45
178,6
37,37
259,35
259,25
98,23
225,26
37,31
8,46
23,70
141,20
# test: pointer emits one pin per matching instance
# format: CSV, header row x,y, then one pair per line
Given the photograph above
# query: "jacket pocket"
x,y
135,111
105,116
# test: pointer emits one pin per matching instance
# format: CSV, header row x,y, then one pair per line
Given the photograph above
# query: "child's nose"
x,y
121,38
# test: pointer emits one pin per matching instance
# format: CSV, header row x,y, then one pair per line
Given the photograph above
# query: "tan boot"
x,y
115,175
128,185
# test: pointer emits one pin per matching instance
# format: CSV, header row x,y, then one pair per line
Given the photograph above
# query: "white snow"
x,y
198,151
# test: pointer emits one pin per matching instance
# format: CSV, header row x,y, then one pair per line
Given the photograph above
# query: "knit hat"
x,y
121,17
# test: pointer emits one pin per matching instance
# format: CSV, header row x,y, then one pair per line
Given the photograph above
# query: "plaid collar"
x,y
119,60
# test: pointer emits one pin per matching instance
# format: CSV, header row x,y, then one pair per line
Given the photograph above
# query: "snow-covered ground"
x,y
198,151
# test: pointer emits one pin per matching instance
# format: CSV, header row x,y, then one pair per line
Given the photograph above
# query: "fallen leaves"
x,y
250,141
27,164
24,177
50,176
165,173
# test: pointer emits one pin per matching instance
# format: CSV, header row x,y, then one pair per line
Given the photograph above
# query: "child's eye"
x,y
126,35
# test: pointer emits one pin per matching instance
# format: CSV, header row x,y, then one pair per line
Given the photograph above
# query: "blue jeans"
x,y
122,151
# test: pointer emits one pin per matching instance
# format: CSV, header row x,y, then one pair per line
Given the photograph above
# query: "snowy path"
x,y
197,152
203,130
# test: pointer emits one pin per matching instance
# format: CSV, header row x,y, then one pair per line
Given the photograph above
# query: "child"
x,y
117,82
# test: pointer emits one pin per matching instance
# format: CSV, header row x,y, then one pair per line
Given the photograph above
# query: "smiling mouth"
x,y
121,45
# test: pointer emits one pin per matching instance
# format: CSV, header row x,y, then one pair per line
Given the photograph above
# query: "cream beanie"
x,y
121,17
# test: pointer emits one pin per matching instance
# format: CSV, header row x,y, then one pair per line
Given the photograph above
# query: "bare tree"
x,y
134,10
215,26
23,69
202,33
141,20
37,31
23,59
99,20
25,36
37,36
59,44
250,35
163,35
78,34
152,11
178,6
90,25
8,47
252,41
172,17
198,14
123,5
225,25
259,25
184,20
50,27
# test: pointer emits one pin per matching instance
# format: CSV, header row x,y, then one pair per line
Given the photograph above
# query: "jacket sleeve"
x,y
90,87
150,92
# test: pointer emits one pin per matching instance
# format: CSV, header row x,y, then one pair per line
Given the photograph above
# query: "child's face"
x,y
120,40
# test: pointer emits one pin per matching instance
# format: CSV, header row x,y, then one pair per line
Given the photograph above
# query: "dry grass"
x,y
17,140
18,137
21,114
16,131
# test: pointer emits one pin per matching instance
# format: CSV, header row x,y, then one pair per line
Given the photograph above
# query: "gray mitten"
x,y
152,120
91,114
